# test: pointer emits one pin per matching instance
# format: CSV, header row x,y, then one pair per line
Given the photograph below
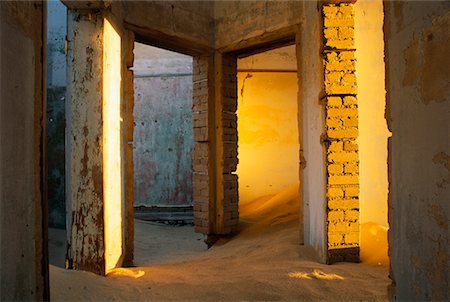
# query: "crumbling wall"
x,y
23,266
341,133
227,211
418,102
203,176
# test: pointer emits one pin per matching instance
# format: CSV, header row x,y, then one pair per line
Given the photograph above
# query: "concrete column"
x,y
84,141
94,143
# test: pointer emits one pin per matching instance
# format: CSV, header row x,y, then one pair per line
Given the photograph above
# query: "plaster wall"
x,y
418,98
267,124
312,152
163,135
23,273
373,132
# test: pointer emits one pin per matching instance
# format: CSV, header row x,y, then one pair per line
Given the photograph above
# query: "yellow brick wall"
x,y
341,132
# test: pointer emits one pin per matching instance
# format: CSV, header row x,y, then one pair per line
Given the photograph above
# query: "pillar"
x,y
94,142
341,111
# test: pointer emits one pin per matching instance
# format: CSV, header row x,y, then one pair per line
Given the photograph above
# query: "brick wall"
x,y
214,158
341,133
229,140
201,181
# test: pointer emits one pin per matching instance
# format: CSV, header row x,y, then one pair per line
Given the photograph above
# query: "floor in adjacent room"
x,y
263,262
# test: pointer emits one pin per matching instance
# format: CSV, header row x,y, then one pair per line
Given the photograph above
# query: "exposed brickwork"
x,y
229,142
201,150
341,133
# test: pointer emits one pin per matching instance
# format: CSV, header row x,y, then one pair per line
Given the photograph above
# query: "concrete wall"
x,y
84,140
418,98
185,26
163,127
24,272
56,97
268,148
242,20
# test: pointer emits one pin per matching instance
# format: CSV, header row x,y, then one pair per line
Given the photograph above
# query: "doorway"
x,y
162,155
268,140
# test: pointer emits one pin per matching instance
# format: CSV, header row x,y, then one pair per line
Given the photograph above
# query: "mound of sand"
x,y
263,262
374,244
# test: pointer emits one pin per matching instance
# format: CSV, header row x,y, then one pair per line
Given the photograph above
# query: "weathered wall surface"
x,y
341,133
267,123
56,96
313,126
241,20
22,272
163,127
84,162
179,25
418,98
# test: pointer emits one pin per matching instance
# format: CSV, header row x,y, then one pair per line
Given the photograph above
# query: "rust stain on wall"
x,y
427,62
443,159
412,62
438,214
435,84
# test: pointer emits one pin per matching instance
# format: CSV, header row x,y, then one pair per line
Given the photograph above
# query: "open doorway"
x,y
162,155
268,140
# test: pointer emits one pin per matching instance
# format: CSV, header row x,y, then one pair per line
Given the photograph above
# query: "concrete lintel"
x,y
87,4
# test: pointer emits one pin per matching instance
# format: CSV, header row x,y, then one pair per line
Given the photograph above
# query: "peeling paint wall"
x,y
163,127
23,270
84,164
418,98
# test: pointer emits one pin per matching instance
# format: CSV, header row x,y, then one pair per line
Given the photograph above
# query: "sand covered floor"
x,y
264,262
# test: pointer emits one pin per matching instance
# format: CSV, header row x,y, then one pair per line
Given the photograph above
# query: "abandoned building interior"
x,y
296,150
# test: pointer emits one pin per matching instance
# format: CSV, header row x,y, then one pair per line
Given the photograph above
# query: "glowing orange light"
x,y
112,178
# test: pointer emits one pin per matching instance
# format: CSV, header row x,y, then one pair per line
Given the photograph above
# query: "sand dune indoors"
x,y
263,262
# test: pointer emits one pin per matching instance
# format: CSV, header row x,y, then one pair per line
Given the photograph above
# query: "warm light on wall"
x,y
112,178
267,133
373,131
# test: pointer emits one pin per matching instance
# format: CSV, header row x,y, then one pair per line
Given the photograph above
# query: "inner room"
x,y
162,155
268,142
